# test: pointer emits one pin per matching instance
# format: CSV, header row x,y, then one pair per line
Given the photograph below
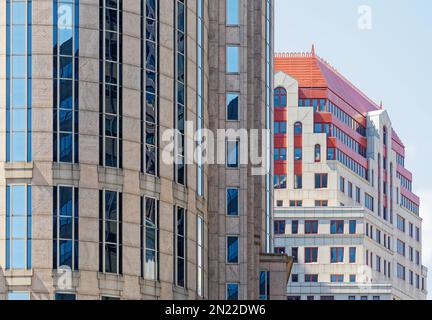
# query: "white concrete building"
x,y
345,209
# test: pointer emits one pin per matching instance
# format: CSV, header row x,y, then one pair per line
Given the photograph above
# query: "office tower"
x,y
345,208
89,208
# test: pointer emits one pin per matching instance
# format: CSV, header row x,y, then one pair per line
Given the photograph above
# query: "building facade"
x,y
345,207
89,209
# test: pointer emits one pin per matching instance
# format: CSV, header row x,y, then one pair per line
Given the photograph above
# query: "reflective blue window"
x,y
233,154
232,101
65,297
232,202
65,227
18,296
232,12
232,291
232,59
232,250
18,227
18,48
180,246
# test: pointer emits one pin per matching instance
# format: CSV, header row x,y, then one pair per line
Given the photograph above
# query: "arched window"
x,y
280,98
317,153
298,128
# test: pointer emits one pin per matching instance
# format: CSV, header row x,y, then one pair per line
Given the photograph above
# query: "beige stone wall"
x,y
88,176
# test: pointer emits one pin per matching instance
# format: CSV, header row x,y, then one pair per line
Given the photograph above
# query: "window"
x,y
110,298
401,223
298,154
232,11
311,278
317,153
18,81
342,184
66,128
321,181
327,298
233,154
149,238
418,262
298,181
232,203
279,203
331,154
411,230
337,255
65,228
337,278
298,129
180,246
401,247
311,227
150,89
111,84
337,227
65,297
232,249
296,203
350,190
353,227
294,227
351,298
280,127
110,224
280,181
411,277
18,296
279,250
294,278
280,98
264,293
369,202
18,227
358,195
233,56
232,293
232,103
200,256
418,235
353,278
353,255
311,255
401,272
279,227
321,203
180,84
280,154
294,254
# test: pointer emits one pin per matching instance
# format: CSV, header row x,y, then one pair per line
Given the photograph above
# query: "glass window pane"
x,y
19,145
232,107
19,227
233,59
232,7
19,66
19,12
19,40
19,120
18,296
18,254
19,93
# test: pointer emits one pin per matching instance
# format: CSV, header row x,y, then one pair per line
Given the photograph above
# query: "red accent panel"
x,y
280,141
298,167
313,93
280,167
280,115
331,142
298,141
322,117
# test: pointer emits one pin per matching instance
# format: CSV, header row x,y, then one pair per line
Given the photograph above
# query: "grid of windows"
x,y
18,80
150,87
150,238
110,232
18,227
111,71
409,205
66,77
351,164
65,227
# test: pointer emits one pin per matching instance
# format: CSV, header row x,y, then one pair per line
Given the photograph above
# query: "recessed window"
x,y
232,59
294,227
232,293
311,255
311,227
298,128
321,181
232,12
233,154
298,154
232,102
317,153
337,255
18,296
232,202
337,227
280,98
232,249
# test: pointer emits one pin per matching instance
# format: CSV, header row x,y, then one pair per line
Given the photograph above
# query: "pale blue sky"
x,y
390,63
